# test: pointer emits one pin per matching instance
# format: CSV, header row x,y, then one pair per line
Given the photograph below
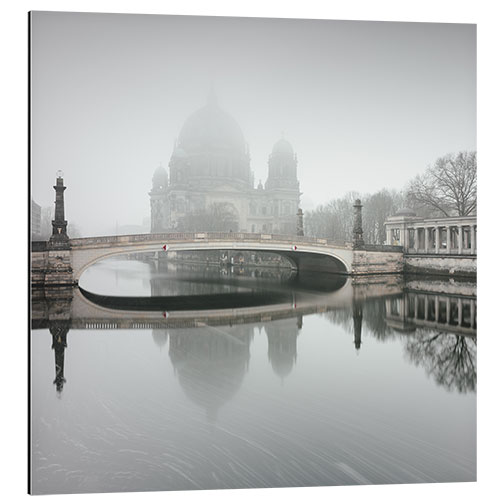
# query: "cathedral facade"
x,y
209,181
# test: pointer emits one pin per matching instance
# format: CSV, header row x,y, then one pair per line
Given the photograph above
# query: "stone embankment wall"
x,y
379,260
464,265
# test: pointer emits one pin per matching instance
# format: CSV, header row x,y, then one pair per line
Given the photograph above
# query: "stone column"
x,y
472,240
415,239
426,307
59,225
472,313
426,239
459,307
300,223
448,239
357,232
388,236
406,238
460,240
437,242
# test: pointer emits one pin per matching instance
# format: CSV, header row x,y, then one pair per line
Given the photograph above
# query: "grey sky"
x,y
366,105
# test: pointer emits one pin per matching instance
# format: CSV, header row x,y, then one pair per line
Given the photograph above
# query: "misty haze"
x,y
253,252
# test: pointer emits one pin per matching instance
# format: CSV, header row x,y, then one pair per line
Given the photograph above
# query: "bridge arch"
x,y
309,254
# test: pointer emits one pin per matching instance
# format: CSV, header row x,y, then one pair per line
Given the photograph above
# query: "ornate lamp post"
x,y
59,225
300,223
357,232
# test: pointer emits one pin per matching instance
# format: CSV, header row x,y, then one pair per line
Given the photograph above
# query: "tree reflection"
x,y
450,359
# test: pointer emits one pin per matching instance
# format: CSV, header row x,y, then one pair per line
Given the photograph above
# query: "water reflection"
x,y
282,344
449,359
59,330
210,356
335,375
210,365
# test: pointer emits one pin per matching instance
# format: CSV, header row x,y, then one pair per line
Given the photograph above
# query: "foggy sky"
x,y
365,105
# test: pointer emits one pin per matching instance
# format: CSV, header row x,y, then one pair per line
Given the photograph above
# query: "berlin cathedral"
x,y
209,173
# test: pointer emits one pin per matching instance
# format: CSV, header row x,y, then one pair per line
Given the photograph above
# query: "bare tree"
x,y
447,188
335,219
377,207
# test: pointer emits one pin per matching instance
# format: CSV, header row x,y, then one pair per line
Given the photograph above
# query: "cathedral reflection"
x,y
210,363
282,344
160,337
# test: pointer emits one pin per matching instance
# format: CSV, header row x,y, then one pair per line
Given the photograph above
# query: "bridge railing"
x,y
201,236
383,248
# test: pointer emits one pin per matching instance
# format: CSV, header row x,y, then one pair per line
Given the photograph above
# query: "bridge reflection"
x,y
210,349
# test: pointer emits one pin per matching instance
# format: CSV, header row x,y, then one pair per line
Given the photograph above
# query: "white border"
x,y
13,31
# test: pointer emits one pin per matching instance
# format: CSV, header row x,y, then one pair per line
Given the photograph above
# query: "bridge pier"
x,y
59,271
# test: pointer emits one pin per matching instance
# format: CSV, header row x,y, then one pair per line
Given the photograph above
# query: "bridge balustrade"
x,y
197,236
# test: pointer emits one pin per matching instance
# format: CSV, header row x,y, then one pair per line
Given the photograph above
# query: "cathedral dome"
x,y
283,147
211,128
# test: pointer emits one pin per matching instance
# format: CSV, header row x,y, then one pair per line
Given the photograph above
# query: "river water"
x,y
215,377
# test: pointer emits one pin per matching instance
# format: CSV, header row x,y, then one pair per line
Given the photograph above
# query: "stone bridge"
x,y
52,265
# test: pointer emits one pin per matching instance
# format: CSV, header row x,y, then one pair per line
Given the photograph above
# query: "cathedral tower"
x,y
157,195
282,187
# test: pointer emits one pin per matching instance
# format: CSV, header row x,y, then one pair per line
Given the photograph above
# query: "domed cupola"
x,y
160,179
283,147
211,145
211,128
282,166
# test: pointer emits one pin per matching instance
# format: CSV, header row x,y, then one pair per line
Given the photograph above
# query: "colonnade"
x,y
454,236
